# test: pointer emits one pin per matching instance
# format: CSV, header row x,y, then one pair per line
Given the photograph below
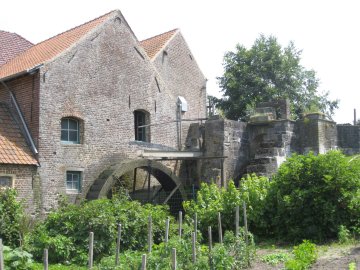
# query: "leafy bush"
x,y
11,214
16,259
305,255
254,190
210,201
344,235
311,196
275,258
65,232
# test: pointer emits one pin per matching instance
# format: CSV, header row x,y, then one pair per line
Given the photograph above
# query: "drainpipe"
x,y
27,133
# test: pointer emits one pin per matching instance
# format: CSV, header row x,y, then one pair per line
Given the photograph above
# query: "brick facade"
x,y
101,80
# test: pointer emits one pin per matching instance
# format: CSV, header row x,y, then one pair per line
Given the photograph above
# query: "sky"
x,y
327,32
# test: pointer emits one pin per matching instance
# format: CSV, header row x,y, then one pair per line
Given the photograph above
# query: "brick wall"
x,y
183,77
26,92
102,81
25,183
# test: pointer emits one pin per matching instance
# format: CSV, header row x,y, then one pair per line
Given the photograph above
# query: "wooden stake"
x,y
143,262
237,220
173,259
195,226
46,259
150,234
245,224
91,250
117,255
246,235
220,228
180,224
210,246
1,256
193,238
210,238
167,226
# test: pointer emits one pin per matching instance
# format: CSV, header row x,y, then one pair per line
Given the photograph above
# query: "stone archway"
x,y
106,180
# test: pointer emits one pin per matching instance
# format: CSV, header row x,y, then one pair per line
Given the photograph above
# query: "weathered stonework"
x,y
101,80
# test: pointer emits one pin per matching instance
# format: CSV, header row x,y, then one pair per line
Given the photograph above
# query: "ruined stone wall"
x,y
224,138
315,134
348,139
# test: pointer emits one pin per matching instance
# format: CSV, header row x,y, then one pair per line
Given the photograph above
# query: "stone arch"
x,y
105,181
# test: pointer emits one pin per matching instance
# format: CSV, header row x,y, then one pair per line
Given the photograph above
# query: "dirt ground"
x,y
333,257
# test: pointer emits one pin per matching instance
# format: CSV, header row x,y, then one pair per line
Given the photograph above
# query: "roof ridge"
x,y
52,47
167,32
71,29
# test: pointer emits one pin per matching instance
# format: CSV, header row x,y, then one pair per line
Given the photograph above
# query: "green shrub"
x,y
311,196
254,191
11,215
210,201
65,232
305,255
17,259
275,258
344,235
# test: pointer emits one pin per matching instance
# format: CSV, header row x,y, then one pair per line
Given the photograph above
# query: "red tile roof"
x,y
48,49
11,45
154,44
13,147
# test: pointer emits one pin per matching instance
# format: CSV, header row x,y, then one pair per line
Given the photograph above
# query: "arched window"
x,y
141,133
70,130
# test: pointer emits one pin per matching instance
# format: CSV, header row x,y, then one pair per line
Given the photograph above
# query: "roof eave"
x,y
21,73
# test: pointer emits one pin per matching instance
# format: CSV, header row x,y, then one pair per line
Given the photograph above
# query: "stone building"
x,y
78,109
93,109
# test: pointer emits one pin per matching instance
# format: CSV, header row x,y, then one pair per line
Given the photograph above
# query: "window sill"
x,y
73,192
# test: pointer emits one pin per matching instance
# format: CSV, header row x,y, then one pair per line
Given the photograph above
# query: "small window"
x,y
73,181
141,133
6,181
70,130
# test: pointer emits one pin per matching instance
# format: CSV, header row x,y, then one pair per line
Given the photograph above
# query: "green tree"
x,y
267,72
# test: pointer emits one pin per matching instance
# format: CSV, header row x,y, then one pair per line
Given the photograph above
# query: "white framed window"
x,y
70,130
141,119
73,181
7,181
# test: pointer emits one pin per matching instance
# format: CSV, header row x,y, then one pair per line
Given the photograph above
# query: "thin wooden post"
x,y
91,250
193,238
1,256
210,238
220,228
173,259
46,259
210,246
237,219
246,235
150,234
195,226
167,226
117,255
180,224
143,262
245,224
